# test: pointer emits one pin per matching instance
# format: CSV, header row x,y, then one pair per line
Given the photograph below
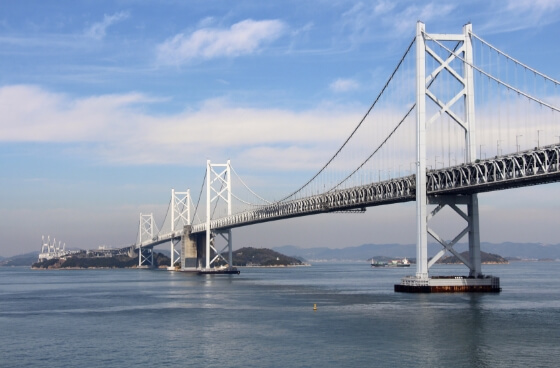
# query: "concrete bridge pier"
x,y
192,254
476,281
194,257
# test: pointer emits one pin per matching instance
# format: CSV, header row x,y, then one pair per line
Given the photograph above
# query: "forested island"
x,y
86,260
249,257
263,257
485,258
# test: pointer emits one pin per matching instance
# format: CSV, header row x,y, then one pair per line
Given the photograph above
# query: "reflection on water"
x,y
265,317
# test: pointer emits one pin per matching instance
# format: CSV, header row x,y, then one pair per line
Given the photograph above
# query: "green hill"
x,y
485,258
83,261
262,257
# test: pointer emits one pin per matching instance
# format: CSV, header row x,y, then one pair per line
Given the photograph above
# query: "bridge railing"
x,y
391,191
538,166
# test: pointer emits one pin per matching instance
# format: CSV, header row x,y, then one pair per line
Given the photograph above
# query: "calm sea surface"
x,y
265,318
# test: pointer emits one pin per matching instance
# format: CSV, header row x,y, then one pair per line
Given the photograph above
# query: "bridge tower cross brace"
x,y
145,232
467,123
181,213
218,186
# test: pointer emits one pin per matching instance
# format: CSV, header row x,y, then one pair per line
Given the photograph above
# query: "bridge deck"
x,y
532,167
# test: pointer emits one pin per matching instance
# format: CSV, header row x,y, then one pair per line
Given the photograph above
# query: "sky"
x,y
107,105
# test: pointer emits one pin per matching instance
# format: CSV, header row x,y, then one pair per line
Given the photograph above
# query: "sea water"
x,y
264,317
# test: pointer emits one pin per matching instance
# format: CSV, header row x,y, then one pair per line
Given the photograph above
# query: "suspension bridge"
x,y
420,140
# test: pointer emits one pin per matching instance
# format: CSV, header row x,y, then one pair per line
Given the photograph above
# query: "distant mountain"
x,y
26,259
523,250
364,252
367,251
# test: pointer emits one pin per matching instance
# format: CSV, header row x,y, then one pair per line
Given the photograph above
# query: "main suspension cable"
x,y
357,127
496,79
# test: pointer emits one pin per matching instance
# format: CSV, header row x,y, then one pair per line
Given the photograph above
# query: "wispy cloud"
x,y
242,38
113,128
517,15
343,85
99,30
364,22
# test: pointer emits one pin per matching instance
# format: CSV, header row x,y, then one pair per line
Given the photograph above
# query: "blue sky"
x,y
107,105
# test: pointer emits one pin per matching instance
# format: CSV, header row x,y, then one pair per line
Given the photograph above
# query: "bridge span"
x,y
410,123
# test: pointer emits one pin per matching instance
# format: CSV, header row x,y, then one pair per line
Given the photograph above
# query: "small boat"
x,y
375,263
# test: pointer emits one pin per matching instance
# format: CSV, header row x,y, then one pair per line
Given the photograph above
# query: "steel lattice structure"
x,y
440,60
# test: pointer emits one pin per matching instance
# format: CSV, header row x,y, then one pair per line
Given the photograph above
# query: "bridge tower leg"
x,y
145,232
180,212
464,76
218,186
421,197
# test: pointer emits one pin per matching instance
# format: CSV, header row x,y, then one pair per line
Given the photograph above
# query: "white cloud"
x,y
98,30
404,21
119,132
390,18
242,38
538,6
343,85
521,14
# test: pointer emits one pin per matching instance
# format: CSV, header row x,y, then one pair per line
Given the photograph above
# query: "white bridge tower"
x,y
218,186
462,56
145,232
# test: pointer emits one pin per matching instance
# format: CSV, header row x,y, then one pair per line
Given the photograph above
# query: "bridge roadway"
x,y
531,167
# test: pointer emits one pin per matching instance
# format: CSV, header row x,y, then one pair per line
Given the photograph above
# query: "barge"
x,y
219,271
449,284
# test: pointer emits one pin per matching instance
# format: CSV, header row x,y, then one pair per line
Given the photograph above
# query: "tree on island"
x,y
249,256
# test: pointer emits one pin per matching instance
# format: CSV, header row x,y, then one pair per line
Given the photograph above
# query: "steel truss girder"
x,y
530,167
525,168
541,165
395,190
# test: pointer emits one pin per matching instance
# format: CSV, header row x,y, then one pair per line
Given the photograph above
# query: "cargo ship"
x,y
394,263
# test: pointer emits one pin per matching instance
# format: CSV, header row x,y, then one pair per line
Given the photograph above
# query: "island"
x,y
485,258
122,258
263,257
92,259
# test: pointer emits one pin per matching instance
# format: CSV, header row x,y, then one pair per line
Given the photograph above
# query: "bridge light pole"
x,y
517,141
498,147
539,138
480,152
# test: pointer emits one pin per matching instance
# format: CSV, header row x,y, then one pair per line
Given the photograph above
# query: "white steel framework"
x,y
146,232
465,95
218,186
181,214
